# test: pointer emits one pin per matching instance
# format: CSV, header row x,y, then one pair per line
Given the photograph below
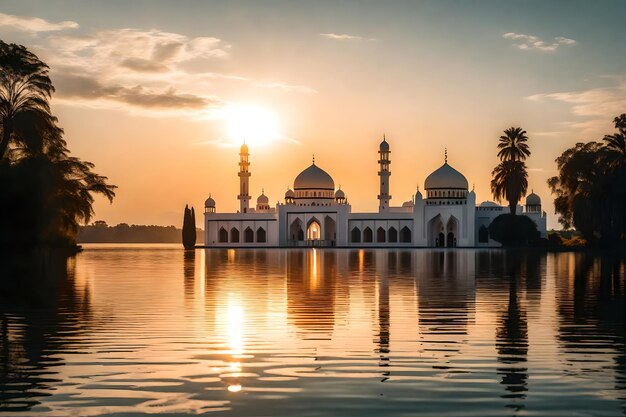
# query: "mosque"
x,y
316,214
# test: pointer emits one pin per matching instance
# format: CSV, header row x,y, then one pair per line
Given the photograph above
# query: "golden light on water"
x,y
234,388
234,326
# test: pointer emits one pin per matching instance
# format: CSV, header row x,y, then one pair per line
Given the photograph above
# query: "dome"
x,y
533,199
243,149
445,177
290,193
314,178
489,204
340,194
263,199
408,204
384,146
209,202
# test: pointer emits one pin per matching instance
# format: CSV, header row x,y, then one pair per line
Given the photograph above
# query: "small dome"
x,y
445,177
262,199
408,204
243,149
290,193
489,204
340,194
209,202
314,178
533,199
384,145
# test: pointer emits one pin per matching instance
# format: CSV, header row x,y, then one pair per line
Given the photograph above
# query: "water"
x,y
133,330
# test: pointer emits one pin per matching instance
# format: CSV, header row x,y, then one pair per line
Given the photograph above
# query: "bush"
x,y
512,230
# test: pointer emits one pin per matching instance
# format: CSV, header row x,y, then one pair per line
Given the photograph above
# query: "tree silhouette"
x,y
48,193
513,146
25,88
510,182
510,177
189,228
590,189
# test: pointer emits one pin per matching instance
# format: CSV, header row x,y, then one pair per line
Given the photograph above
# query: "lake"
x,y
128,330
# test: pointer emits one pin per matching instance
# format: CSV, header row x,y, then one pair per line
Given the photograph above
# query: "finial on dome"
x,y
445,155
384,138
262,190
313,159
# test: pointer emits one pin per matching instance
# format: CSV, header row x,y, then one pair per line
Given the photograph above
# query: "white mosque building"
x,y
314,213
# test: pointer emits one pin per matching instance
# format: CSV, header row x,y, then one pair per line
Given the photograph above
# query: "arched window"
x,y
368,235
392,235
234,235
222,235
261,235
355,235
405,235
248,235
483,235
380,235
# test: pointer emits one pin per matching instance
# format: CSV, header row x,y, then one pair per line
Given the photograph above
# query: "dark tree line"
x,y
45,193
590,188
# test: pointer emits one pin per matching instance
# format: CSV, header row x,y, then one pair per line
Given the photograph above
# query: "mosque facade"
x,y
315,213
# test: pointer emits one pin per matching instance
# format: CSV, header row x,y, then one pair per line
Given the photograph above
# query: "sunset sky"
x,y
159,95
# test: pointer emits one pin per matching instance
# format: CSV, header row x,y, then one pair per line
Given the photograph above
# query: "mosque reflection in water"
x,y
512,326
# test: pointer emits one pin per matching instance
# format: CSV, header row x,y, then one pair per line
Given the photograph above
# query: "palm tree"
x,y
615,144
510,182
25,88
513,146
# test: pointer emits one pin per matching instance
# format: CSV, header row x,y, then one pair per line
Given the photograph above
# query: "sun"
x,y
253,124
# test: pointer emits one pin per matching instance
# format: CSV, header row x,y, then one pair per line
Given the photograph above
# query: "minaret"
x,y
244,179
384,173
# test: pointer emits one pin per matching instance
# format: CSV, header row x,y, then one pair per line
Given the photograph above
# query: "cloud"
x,y
75,88
341,37
34,24
530,42
598,105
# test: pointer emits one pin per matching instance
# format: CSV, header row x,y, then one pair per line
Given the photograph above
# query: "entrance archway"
x,y
436,232
452,229
314,230
330,229
295,231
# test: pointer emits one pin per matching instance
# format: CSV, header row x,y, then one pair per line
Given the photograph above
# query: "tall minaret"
x,y
244,177
384,173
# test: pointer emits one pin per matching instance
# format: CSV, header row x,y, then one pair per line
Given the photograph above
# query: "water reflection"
x,y
315,332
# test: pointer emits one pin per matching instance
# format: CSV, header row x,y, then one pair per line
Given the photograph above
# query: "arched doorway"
x,y
314,230
355,235
248,235
436,232
392,235
222,235
261,235
452,229
368,235
405,235
234,235
330,229
296,232
380,235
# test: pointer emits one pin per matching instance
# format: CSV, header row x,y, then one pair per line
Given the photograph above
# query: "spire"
x,y
384,138
262,190
445,156
313,159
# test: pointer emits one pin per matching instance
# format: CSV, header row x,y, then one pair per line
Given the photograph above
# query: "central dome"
x,y
446,177
314,178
